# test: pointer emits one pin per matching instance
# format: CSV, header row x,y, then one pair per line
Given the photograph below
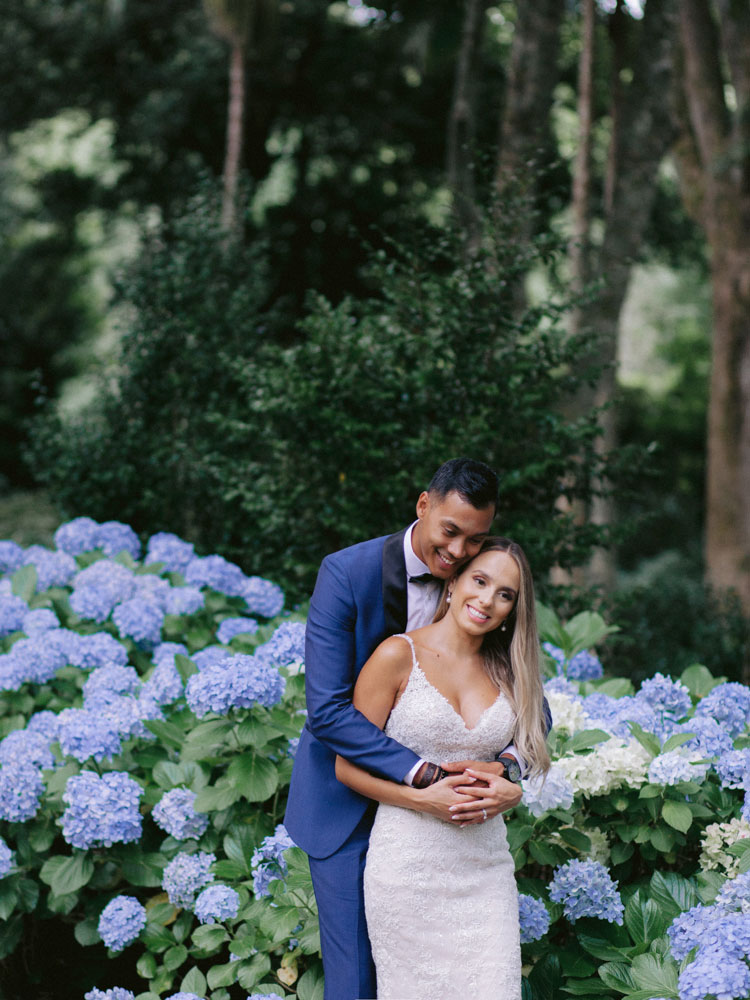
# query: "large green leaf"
x,y
677,814
23,582
217,797
222,975
575,838
602,949
253,776
644,920
676,740
185,666
699,680
617,976
673,893
252,732
252,971
175,956
67,875
194,982
586,739
545,978
8,897
651,972
209,937
647,740
310,985
169,734
587,629
550,627
144,869
86,932
239,844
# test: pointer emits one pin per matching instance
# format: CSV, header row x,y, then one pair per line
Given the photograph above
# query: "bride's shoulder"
x,y
394,654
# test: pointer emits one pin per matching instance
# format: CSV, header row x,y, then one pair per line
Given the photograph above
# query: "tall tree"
x,y
714,155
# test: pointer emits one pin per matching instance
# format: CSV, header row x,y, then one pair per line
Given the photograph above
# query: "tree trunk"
x,y
235,126
717,148
461,124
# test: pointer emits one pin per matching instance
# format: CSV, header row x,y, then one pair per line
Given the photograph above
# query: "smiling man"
x,y
364,594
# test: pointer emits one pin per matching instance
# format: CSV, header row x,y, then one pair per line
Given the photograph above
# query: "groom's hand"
x,y
459,766
488,796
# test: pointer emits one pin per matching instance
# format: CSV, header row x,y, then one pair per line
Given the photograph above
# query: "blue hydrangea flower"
x,y
665,695
586,889
24,746
185,996
286,645
77,536
166,652
153,590
237,682
674,766
85,734
53,569
101,810
106,683
99,649
184,601
121,921
44,722
687,929
729,704
561,685
21,788
267,862
116,993
140,621
540,795
231,627
217,573
713,973
734,895
165,684
263,597
185,875
11,556
291,749
39,620
216,904
13,611
614,714
534,918
175,813
211,656
37,659
114,537
99,587
265,996
733,768
710,739
6,858
164,547
584,666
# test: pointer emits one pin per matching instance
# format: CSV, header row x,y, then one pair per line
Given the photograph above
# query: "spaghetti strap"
x,y
402,635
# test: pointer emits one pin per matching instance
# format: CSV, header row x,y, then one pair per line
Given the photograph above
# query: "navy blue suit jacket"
x,y
359,600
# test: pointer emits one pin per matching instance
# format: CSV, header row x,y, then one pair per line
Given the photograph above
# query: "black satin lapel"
x,y
394,583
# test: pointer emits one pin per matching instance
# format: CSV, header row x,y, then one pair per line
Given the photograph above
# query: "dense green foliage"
x,y
210,424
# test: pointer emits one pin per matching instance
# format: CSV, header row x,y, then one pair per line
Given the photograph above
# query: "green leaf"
x,y
699,680
617,976
8,897
228,871
673,893
175,956
545,978
209,937
310,985
651,972
86,932
146,966
621,852
583,987
575,838
278,923
647,740
601,948
216,798
253,776
169,734
254,733
222,975
615,687
185,666
650,792
250,973
644,920
239,845
550,627
518,834
309,937
547,854
194,982
23,582
586,739
677,740
662,838
678,815
298,869
144,870
586,629
67,875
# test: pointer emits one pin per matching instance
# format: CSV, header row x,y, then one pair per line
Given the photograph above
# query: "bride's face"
x,y
485,593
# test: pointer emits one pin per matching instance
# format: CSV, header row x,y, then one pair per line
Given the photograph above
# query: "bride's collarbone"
x,y
465,686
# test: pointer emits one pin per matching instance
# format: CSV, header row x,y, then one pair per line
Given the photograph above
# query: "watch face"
x,y
512,769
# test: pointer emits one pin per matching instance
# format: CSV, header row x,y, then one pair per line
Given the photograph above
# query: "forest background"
x,y
266,264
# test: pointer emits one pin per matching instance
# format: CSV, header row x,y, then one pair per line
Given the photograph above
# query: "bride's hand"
x,y
440,798
485,795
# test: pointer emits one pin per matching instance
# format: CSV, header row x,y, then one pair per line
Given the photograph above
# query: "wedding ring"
x,y
484,815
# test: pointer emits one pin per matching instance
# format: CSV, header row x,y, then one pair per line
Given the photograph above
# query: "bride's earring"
x,y
448,598
504,626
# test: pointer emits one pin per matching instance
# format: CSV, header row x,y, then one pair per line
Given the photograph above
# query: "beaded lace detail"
x,y
442,907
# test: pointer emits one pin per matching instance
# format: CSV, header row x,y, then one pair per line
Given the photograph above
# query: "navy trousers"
x,y
337,881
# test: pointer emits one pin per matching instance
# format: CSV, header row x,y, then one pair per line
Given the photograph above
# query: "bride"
x,y
441,901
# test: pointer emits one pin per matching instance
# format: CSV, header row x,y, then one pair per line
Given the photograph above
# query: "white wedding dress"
x,y
441,901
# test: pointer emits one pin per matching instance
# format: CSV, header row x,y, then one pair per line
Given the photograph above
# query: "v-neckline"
x,y
451,706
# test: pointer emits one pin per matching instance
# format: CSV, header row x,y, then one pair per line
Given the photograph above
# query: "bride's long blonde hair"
x,y
512,657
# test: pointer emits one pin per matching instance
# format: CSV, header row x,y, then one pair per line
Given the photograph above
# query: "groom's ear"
x,y
423,503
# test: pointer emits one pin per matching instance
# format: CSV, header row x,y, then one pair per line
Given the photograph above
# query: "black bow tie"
x,y
425,578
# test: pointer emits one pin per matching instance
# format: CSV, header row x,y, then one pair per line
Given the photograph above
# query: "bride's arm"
x,y
379,686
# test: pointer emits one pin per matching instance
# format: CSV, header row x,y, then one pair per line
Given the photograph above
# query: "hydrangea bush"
x,y
152,700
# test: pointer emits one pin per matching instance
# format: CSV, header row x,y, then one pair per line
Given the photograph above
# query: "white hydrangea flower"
x,y
599,845
717,838
611,764
567,713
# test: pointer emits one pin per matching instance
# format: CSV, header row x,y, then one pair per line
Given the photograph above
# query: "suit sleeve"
x,y
330,677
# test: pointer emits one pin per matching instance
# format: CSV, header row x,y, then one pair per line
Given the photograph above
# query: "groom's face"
x,y
450,531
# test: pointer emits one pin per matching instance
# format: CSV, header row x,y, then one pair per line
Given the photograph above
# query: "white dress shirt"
x,y
422,600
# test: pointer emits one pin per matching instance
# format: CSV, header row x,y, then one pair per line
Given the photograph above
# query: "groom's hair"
x,y
474,481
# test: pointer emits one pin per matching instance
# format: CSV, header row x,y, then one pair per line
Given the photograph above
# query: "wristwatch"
x,y
511,768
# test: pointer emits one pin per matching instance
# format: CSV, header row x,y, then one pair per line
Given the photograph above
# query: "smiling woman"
x,y
462,687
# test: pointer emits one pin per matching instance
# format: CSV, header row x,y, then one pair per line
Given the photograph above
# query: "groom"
x,y
364,594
